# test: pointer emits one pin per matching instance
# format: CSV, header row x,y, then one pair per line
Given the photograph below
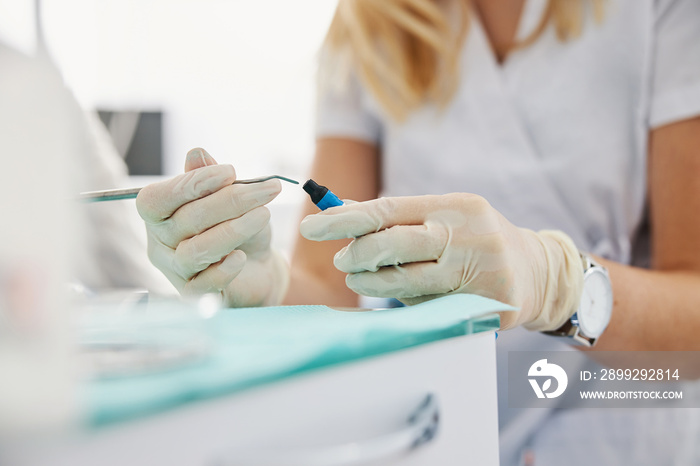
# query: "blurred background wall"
x,y
233,76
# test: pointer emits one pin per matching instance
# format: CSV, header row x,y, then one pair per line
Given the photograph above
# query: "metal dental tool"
x,y
118,194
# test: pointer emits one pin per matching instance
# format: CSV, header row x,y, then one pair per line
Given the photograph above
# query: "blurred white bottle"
x,y
40,133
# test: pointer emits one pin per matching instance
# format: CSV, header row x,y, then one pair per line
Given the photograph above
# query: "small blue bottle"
x,y
321,196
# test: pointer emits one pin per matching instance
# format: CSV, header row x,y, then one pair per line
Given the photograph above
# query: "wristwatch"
x,y
593,315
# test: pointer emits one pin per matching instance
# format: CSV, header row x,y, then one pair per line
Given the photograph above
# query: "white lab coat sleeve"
x,y
675,62
343,106
113,251
108,241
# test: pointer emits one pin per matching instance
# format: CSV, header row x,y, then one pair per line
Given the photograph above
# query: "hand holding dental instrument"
x,y
415,248
131,193
209,235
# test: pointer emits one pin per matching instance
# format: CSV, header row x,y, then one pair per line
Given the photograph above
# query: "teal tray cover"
x,y
256,346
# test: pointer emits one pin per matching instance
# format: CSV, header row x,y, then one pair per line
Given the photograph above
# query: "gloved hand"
x,y
208,235
420,248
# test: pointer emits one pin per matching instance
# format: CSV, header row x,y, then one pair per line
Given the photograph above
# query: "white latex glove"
x,y
420,248
208,235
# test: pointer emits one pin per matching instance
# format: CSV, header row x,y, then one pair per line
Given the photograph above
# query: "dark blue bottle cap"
x,y
315,191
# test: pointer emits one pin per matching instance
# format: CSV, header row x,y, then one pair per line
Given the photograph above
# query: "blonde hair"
x,y
407,51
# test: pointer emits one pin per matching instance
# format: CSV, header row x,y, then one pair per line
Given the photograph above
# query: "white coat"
x,y
43,128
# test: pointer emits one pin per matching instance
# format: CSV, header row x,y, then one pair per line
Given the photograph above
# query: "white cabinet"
x,y
351,405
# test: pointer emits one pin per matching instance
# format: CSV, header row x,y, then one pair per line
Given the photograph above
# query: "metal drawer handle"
x,y
420,428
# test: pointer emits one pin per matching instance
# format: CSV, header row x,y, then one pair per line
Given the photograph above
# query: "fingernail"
x,y
262,192
315,227
195,154
339,259
200,155
207,159
271,186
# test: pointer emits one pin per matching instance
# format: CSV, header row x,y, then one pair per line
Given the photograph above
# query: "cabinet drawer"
x,y
352,405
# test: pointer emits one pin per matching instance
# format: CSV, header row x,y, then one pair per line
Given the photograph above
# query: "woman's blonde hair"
x,y
407,51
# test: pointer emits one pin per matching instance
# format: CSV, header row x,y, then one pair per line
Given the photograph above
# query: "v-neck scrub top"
x,y
554,138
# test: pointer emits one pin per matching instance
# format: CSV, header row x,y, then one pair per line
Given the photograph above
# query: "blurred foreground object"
x,y
128,333
39,135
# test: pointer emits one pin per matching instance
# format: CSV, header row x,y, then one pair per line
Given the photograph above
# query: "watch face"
x,y
596,303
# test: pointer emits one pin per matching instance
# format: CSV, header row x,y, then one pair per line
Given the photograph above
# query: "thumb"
x,y
198,158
